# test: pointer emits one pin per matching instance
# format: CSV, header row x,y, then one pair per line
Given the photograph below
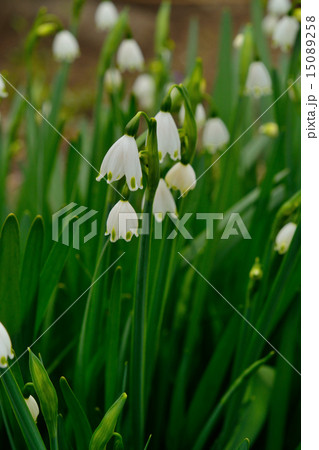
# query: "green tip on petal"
x,y
160,156
113,235
109,176
128,236
133,183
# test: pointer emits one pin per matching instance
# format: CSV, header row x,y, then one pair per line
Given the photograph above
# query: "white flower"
x,y
112,79
268,24
258,81
144,89
269,129
181,177
5,347
200,115
215,134
121,160
122,222
285,33
3,92
163,202
238,41
106,16
278,7
284,238
168,140
130,56
65,47
33,407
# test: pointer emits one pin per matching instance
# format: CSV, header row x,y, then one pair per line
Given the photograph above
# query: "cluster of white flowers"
x,y
282,28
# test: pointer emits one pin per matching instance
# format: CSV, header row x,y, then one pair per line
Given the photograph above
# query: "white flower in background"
x,y
168,140
121,160
269,129
5,347
112,79
122,222
278,7
144,89
285,33
163,202
268,24
33,407
258,81
238,41
106,16
130,56
284,238
182,177
3,92
65,47
215,134
200,115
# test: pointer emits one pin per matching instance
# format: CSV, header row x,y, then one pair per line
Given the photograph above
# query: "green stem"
x,y
21,411
54,443
138,357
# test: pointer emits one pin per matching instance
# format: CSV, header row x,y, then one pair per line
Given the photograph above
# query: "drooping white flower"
x,y
268,24
163,202
258,81
168,140
130,56
33,407
285,33
106,16
182,177
278,7
5,347
65,47
3,92
215,134
122,222
284,237
238,41
269,129
144,89
112,79
121,160
200,115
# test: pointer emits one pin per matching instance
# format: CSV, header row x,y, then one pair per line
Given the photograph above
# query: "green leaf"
x,y
105,430
80,423
10,304
162,27
244,445
46,394
31,265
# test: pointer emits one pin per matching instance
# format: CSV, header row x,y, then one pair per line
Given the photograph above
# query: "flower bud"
x,y
65,47
112,79
258,81
130,56
106,16
269,129
5,347
33,407
238,41
284,238
3,92
256,272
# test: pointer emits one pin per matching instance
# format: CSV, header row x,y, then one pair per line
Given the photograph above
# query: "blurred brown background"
x,y
17,16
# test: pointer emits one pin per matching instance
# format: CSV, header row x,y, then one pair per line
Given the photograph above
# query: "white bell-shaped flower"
x,y
278,7
121,160
5,347
285,33
200,115
65,47
112,79
163,202
106,16
284,237
258,81
130,56
268,24
33,407
144,89
215,135
3,92
168,140
182,177
122,222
